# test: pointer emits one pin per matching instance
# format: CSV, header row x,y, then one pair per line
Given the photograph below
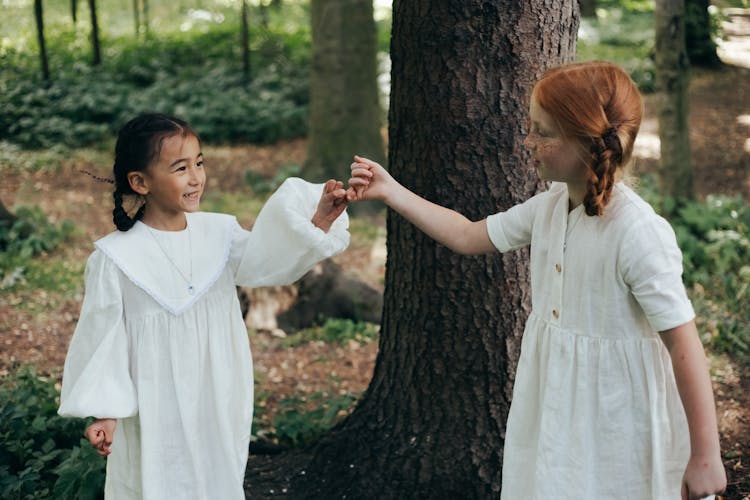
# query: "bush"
x,y
43,455
196,75
714,235
29,235
335,331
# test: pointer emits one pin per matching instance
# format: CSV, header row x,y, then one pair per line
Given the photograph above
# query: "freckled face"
x,y
556,158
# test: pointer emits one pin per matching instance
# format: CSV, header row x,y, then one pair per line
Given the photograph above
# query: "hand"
x,y
100,434
704,476
332,203
369,181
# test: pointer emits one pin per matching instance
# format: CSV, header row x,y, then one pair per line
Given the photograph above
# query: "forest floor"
x,y
36,323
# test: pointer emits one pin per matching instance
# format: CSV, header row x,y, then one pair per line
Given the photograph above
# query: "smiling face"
x,y
556,157
173,183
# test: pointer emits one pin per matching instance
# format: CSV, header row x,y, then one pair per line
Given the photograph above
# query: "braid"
x,y
120,217
607,152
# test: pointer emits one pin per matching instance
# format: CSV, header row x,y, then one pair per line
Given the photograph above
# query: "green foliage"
x,y
262,185
334,331
29,235
297,424
43,455
714,235
195,74
623,33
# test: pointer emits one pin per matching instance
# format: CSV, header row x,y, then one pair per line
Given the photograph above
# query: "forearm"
x,y
444,225
694,386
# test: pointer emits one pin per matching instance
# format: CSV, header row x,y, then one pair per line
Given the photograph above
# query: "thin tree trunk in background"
x,y
137,18
74,10
97,57
345,113
39,17
588,8
263,13
672,79
701,48
146,23
276,4
432,422
245,43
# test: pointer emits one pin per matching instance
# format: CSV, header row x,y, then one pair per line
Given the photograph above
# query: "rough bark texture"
x,y
672,78
344,106
431,424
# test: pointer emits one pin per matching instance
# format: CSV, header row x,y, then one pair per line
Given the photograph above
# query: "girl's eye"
x,y
200,163
181,168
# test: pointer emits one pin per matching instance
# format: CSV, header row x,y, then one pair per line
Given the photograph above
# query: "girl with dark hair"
x,y
598,409
160,354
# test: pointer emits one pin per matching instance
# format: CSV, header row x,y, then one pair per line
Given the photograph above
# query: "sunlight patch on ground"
x,y
734,48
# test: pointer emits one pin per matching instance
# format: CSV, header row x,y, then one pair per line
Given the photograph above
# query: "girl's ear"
x,y
138,183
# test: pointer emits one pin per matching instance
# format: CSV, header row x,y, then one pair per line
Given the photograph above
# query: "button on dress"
x,y
174,367
595,410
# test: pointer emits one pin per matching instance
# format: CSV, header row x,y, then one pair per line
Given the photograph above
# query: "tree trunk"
x,y
74,10
245,43
431,424
39,17
145,10
345,114
701,48
588,8
137,18
672,78
97,57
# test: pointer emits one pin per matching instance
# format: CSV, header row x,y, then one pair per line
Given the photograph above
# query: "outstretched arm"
x,y
704,474
370,181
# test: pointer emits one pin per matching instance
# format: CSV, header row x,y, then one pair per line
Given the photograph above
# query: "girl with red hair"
x,y
612,397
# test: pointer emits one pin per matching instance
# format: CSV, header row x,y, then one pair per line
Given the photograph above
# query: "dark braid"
x,y
138,145
607,157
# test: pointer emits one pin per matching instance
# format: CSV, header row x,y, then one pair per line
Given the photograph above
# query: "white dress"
x,y
175,368
595,410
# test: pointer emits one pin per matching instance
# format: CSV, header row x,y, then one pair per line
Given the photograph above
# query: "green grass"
x,y
334,331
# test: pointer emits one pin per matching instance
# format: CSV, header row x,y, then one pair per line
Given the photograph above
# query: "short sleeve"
x,y
512,229
651,265
284,244
96,378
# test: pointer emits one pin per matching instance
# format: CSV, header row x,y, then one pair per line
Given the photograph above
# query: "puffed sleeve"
x,y
650,263
96,377
512,229
284,244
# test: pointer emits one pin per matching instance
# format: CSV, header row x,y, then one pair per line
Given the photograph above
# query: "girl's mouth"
x,y
196,196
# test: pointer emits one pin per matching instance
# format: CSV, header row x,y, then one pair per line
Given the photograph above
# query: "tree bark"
x,y
345,114
701,48
96,57
39,17
431,424
672,79
74,10
245,43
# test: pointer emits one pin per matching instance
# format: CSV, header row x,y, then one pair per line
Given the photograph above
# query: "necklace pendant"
x,y
191,289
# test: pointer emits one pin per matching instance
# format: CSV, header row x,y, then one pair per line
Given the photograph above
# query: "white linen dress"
x,y
595,410
175,368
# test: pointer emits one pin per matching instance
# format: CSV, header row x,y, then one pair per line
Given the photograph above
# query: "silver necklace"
x,y
190,288
569,228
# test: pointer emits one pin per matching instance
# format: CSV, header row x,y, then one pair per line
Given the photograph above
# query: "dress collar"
x,y
137,254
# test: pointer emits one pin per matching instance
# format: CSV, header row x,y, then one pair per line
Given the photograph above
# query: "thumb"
x,y
685,493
